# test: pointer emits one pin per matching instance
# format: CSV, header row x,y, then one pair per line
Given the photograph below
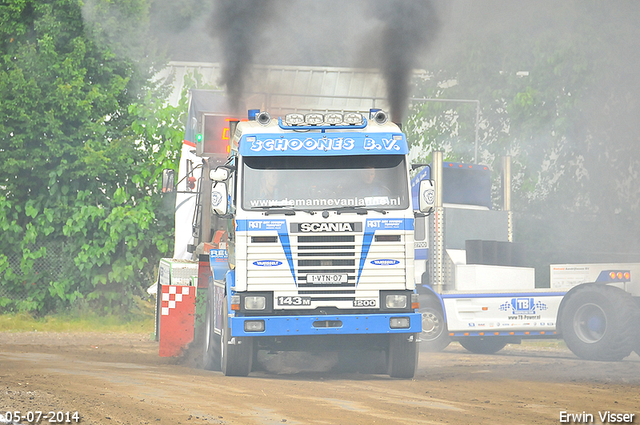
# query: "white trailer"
x,y
475,288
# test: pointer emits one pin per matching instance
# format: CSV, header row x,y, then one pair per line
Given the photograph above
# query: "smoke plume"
x,y
238,24
390,34
408,28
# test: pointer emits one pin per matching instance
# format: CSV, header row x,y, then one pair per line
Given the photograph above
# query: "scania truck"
x,y
308,224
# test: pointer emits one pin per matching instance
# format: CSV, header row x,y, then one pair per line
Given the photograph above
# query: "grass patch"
x,y
23,322
79,321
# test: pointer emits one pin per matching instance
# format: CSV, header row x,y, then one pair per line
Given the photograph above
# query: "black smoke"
x,y
408,29
392,35
238,25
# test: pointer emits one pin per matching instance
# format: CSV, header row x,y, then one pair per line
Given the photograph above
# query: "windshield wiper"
x,y
358,209
277,209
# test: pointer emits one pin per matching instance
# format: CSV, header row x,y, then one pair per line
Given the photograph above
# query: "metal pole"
x,y
506,194
437,263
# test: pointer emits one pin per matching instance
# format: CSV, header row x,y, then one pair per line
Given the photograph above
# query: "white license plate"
x,y
327,278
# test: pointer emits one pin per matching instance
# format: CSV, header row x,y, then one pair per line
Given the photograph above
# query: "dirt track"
x,y
119,379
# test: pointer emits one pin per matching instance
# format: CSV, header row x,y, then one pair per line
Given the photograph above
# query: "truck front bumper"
x,y
348,324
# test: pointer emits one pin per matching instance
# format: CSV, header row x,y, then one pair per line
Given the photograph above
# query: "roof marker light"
x,y
252,114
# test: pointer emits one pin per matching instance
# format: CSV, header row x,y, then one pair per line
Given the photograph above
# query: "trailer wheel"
x,y
597,323
211,352
434,335
481,345
237,353
403,356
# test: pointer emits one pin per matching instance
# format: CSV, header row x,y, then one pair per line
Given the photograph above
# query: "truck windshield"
x,y
318,183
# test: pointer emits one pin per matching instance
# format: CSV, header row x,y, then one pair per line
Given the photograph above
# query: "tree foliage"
x,y
84,136
558,89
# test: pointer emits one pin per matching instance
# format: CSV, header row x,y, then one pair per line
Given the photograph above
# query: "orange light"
x,y
612,275
415,305
496,333
235,307
466,334
542,333
512,333
481,334
619,275
450,165
627,275
451,334
470,166
460,166
485,308
526,333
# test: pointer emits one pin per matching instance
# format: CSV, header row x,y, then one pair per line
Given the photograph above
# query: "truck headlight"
x,y
255,302
396,301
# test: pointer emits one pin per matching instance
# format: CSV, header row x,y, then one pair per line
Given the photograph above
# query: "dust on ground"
x,y
120,379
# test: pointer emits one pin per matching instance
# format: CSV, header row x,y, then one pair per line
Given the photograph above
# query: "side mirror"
x,y
426,196
168,181
219,198
220,174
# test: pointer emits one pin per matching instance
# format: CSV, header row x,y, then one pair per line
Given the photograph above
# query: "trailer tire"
x,y
434,336
482,345
236,355
211,347
403,355
597,323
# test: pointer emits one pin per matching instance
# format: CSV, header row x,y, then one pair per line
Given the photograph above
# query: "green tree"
x,y
84,135
558,89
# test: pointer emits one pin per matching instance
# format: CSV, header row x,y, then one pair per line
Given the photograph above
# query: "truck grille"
x,y
326,267
313,252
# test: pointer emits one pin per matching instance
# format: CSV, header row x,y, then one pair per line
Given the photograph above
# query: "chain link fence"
x,y
52,265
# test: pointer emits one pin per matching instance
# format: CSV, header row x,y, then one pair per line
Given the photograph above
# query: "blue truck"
x,y
308,222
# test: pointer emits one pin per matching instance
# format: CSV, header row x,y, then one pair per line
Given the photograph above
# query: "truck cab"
x,y
319,221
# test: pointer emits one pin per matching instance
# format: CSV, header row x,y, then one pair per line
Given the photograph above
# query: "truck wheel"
x,y
480,345
403,356
597,323
211,353
237,353
434,335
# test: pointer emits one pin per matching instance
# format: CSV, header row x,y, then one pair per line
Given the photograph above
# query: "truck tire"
x,y
236,355
211,352
597,323
403,355
482,345
434,336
